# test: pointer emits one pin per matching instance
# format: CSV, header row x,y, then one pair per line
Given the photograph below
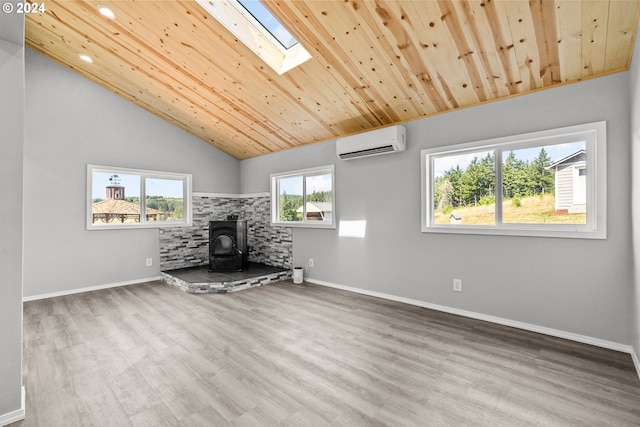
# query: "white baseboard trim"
x,y
636,362
14,416
89,289
493,319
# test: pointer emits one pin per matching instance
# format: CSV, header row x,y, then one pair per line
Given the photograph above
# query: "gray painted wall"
x,y
11,141
572,285
635,156
73,122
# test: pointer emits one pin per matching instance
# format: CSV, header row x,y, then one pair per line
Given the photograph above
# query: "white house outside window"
x,y
550,183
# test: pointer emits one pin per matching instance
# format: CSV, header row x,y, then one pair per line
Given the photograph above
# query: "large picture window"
x,y
132,198
304,198
550,183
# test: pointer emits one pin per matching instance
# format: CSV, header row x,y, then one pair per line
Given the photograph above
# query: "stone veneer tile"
x,y
224,287
182,247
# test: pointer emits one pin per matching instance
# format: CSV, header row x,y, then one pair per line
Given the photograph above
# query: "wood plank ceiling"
x,y
374,63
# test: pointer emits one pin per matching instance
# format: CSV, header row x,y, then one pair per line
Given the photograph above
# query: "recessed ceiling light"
x,y
86,58
105,11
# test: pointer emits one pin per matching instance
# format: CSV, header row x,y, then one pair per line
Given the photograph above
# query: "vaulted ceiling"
x,y
374,63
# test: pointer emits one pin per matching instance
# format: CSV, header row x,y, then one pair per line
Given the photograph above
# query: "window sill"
x,y
92,227
533,231
302,225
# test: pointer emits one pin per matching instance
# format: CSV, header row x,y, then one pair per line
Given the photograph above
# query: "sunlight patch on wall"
x,y
352,228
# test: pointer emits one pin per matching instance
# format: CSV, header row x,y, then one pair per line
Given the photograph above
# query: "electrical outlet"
x,y
457,285
149,262
310,262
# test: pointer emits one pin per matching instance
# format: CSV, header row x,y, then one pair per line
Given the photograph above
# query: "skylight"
x,y
259,30
269,22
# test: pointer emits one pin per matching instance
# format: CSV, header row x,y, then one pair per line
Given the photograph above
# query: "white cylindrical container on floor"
x,y
297,275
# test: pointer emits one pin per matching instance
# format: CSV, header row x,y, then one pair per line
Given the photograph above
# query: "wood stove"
x,y
228,245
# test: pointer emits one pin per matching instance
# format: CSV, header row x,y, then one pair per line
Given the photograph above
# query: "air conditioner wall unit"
x,y
380,141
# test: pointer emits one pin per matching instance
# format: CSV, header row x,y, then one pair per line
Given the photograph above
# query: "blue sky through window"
x,y
269,22
170,188
555,152
293,185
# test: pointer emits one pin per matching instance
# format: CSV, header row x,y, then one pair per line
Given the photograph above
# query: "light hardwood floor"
x,y
304,355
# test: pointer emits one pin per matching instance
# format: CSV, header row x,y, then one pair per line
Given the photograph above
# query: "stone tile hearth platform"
x,y
198,280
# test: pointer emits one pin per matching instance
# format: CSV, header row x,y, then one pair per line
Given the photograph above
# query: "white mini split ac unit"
x,y
380,141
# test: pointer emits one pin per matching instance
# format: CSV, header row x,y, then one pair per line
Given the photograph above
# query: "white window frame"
x,y
304,173
143,174
595,135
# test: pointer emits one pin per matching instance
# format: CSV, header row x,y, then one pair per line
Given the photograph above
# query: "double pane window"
x,y
304,198
549,183
131,198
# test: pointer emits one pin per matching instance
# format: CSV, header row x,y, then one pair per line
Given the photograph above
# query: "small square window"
x,y
304,198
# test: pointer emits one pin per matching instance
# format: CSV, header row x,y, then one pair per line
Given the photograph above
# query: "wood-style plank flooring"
x,y
304,355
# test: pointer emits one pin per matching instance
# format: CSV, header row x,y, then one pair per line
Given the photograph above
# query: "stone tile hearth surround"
x,y
182,247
